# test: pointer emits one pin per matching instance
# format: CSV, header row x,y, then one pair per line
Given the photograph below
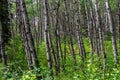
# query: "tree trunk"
x,y
27,35
119,20
89,27
2,46
4,29
46,32
112,30
100,26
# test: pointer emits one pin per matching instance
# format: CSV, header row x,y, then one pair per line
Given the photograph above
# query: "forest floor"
x,y
90,69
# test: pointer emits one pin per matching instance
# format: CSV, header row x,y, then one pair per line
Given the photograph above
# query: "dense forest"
x,y
59,39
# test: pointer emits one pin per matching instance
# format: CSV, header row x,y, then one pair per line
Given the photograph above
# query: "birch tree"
x,y
46,32
27,35
112,30
99,24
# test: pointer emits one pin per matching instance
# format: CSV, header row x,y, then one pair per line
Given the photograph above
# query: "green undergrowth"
x,y
89,69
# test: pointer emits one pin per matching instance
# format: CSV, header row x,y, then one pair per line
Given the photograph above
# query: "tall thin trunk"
x,y
2,46
22,32
119,19
100,26
28,35
69,24
112,30
46,32
71,44
77,24
65,29
57,30
57,68
89,27
4,29
10,18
